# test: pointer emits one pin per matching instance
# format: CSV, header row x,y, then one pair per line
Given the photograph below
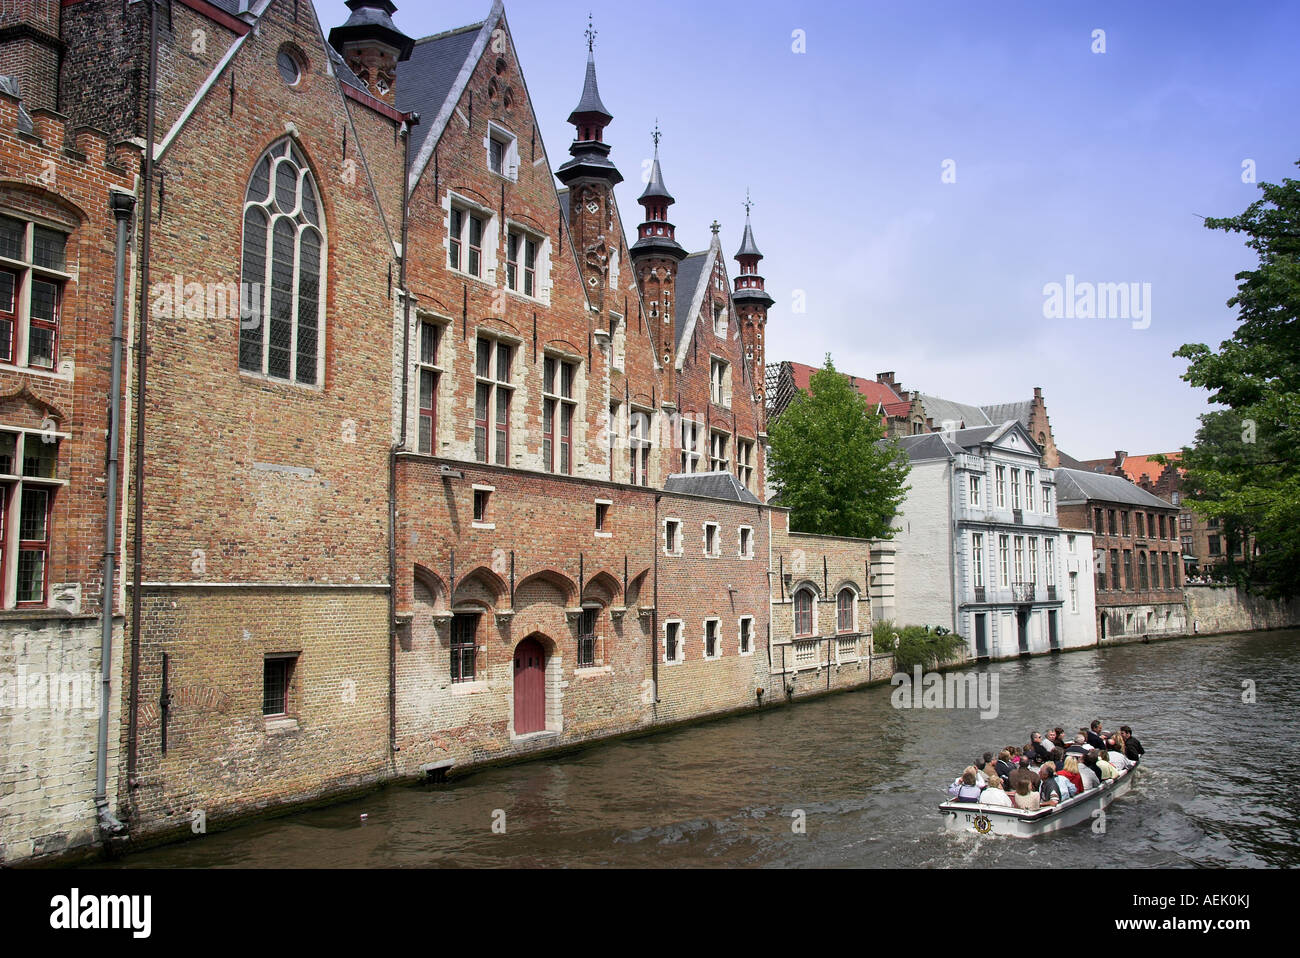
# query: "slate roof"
x,y
590,102
713,485
10,86
426,80
940,445
747,245
564,203
945,410
1069,462
1019,411
690,272
1079,485
655,188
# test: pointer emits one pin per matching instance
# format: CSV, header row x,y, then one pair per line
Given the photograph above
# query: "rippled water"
x,y
1215,788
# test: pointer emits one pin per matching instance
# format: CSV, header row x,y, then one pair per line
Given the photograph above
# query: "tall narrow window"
x,y
29,466
639,442
803,613
29,324
745,463
1015,488
430,374
1049,560
720,382
277,680
711,648
718,459
1029,490
465,241
614,412
974,492
282,297
746,634
1033,559
977,559
1003,563
1020,558
1002,486
464,639
844,609
521,263
558,407
690,443
587,637
492,394
34,545
672,641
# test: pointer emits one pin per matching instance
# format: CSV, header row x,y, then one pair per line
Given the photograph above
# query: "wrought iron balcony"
x,y
1018,516
1023,591
1051,593
979,593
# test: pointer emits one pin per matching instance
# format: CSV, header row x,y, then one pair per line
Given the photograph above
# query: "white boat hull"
x,y
1000,820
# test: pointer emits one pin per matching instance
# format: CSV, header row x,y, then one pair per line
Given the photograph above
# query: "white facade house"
x,y
980,550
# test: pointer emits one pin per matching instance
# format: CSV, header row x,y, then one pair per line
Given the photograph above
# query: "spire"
x,y
590,117
590,107
372,46
656,233
748,248
655,189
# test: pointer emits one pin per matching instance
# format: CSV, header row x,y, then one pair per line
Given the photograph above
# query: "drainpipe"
x,y
142,365
654,616
393,748
123,206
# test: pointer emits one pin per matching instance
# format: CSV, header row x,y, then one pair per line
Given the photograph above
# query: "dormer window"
x,y
502,153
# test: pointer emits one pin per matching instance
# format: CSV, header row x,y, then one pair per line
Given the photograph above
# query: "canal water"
x,y
1217,786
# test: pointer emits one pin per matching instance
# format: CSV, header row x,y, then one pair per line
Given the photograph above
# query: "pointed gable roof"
x,y
692,282
432,81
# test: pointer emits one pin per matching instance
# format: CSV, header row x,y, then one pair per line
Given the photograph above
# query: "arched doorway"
x,y
530,687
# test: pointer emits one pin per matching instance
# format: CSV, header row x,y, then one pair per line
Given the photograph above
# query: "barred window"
x,y
282,296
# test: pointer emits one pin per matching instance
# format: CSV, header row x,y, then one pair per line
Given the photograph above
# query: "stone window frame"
x,y
681,642
488,241
486,522
716,551
498,133
716,622
554,365
741,551
740,634
434,367
745,462
691,456
720,381
719,460
495,386
852,609
604,510
677,530
814,601
977,559
541,266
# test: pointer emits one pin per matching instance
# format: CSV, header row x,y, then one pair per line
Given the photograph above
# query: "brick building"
x,y
1205,542
1136,551
62,188
438,467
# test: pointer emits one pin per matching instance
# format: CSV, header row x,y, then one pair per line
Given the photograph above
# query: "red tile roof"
x,y
1136,466
876,392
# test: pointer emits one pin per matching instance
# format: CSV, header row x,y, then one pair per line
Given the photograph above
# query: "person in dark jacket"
x,y
1041,750
1096,737
1132,747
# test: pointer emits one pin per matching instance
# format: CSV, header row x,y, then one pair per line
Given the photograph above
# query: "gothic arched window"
x,y
283,291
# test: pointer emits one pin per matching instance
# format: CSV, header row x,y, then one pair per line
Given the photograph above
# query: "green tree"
x,y
834,474
1245,465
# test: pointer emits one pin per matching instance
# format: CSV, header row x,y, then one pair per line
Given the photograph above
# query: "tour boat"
x,y
1000,820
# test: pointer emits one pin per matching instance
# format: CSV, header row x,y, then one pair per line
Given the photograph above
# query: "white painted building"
x,y
980,550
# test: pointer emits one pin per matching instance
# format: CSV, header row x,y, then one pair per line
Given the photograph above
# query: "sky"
x,y
922,172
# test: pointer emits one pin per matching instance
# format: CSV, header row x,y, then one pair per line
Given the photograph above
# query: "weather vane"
x,y
656,134
748,202
715,227
590,34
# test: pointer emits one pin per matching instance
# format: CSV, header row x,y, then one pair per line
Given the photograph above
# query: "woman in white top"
x,y
1119,759
994,795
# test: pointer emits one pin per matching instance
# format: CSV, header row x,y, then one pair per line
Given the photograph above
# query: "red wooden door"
x,y
530,687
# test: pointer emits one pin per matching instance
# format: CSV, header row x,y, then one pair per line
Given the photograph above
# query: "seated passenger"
x,y
1089,772
994,795
1049,789
1004,766
1117,758
1105,769
1070,770
1132,747
1080,746
1025,796
1096,737
1040,749
966,789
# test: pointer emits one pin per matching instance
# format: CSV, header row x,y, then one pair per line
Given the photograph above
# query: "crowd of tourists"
x,y
1048,769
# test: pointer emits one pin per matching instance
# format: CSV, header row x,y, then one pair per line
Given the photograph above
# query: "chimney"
x,y
886,378
1038,392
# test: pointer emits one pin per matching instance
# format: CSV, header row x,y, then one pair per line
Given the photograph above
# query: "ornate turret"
x,y
752,303
589,150
372,46
656,236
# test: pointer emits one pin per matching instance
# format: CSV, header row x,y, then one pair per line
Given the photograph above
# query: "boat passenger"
x,y
994,795
1089,772
1117,758
1049,791
1070,770
1040,749
1096,738
1132,747
1105,769
965,788
1025,797
1004,765
1080,746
